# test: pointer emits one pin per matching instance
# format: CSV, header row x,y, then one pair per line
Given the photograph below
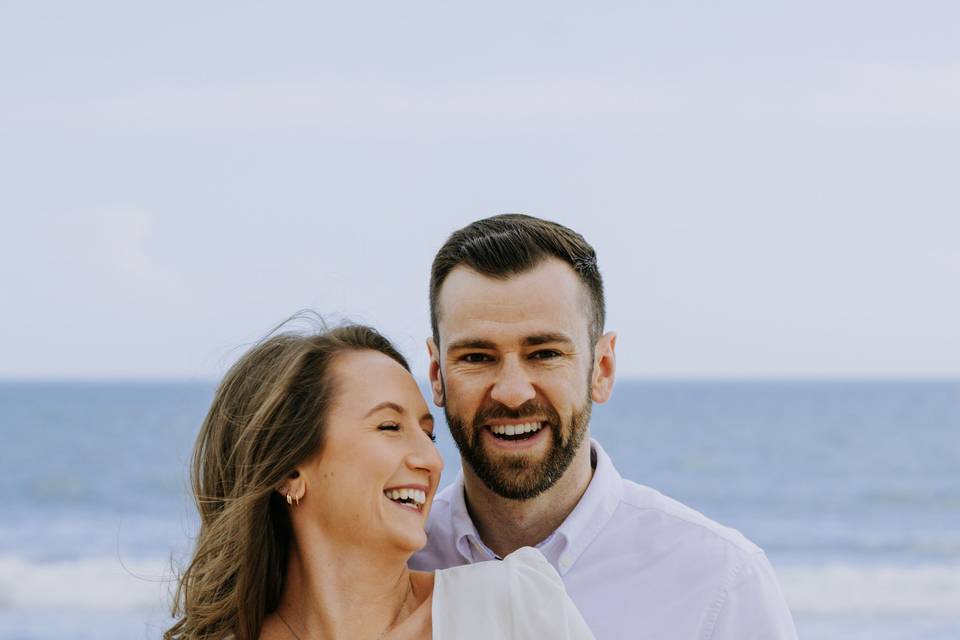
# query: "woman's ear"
x,y
294,488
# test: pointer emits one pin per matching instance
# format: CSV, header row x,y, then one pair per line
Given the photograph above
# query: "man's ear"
x,y
604,368
436,376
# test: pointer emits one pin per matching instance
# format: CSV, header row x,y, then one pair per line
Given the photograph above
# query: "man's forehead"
x,y
545,297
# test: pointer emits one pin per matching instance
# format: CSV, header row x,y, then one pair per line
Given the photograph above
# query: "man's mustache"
x,y
529,409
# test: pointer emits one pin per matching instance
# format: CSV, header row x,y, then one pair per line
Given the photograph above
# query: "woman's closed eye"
x,y
393,426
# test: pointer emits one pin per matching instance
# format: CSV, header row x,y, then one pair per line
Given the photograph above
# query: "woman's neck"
x,y
337,591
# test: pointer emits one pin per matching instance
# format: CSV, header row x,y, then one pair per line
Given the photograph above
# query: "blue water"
x,y
853,488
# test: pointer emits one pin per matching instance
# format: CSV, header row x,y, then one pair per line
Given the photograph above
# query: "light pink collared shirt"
x,y
636,563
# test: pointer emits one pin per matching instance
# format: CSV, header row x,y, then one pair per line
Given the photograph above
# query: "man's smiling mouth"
x,y
520,431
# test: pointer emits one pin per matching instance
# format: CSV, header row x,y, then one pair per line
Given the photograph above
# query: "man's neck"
x,y
505,525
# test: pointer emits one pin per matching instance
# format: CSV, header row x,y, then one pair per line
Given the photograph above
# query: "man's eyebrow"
x,y
385,405
427,417
545,338
471,343
529,341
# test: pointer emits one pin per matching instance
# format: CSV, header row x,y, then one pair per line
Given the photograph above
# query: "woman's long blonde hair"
x,y
266,418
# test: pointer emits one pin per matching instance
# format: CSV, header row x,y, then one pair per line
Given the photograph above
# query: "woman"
x,y
313,473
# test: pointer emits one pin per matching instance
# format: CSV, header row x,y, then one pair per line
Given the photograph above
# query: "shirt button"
x,y
566,561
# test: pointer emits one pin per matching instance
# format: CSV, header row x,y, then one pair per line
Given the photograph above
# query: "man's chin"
x,y
519,489
513,476
514,469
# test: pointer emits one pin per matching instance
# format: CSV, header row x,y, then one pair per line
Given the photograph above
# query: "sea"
x,y
851,487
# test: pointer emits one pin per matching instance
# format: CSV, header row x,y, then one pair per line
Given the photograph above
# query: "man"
x,y
518,356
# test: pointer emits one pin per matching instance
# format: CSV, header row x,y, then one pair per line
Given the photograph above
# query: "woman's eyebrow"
x,y
385,405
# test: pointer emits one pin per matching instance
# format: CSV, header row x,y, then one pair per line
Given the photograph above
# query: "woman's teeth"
x,y
516,429
410,497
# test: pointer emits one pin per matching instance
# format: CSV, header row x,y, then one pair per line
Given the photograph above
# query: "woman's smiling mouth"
x,y
412,498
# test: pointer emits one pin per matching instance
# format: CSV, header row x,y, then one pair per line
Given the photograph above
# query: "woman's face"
x,y
374,481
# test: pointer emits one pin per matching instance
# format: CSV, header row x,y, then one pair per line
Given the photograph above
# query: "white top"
x,y
636,563
521,598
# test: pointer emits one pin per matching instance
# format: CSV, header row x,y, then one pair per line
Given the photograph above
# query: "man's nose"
x,y
512,387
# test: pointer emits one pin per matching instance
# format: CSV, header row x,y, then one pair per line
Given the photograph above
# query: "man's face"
x,y
513,373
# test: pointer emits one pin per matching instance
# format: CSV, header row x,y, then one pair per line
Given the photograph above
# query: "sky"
x,y
771,189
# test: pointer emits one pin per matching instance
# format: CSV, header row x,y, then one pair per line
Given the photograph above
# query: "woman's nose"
x,y
425,455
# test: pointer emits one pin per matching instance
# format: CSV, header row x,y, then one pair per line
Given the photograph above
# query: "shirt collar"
x,y
565,545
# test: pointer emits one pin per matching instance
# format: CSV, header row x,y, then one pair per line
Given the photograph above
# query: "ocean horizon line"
x,y
759,380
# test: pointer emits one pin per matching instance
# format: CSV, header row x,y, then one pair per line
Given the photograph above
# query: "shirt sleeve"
x,y
752,607
541,607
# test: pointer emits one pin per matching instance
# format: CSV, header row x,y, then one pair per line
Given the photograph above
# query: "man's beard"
x,y
518,477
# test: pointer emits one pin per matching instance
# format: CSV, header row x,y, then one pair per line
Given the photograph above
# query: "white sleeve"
x,y
753,607
521,598
541,607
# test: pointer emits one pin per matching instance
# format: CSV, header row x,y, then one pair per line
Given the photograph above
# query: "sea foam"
x,y
100,583
106,583
842,589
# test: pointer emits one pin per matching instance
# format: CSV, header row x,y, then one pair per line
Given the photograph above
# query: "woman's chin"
x,y
409,542
416,542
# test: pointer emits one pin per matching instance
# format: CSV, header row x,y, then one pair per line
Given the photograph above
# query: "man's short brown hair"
x,y
512,243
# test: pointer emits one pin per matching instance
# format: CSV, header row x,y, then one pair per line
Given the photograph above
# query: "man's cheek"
x,y
456,395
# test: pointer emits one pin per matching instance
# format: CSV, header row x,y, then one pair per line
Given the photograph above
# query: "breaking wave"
x,y
106,583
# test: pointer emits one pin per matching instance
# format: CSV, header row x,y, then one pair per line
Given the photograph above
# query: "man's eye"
x,y
389,426
476,357
432,436
545,354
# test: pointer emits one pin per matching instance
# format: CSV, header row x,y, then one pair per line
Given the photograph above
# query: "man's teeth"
x,y
410,496
516,429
